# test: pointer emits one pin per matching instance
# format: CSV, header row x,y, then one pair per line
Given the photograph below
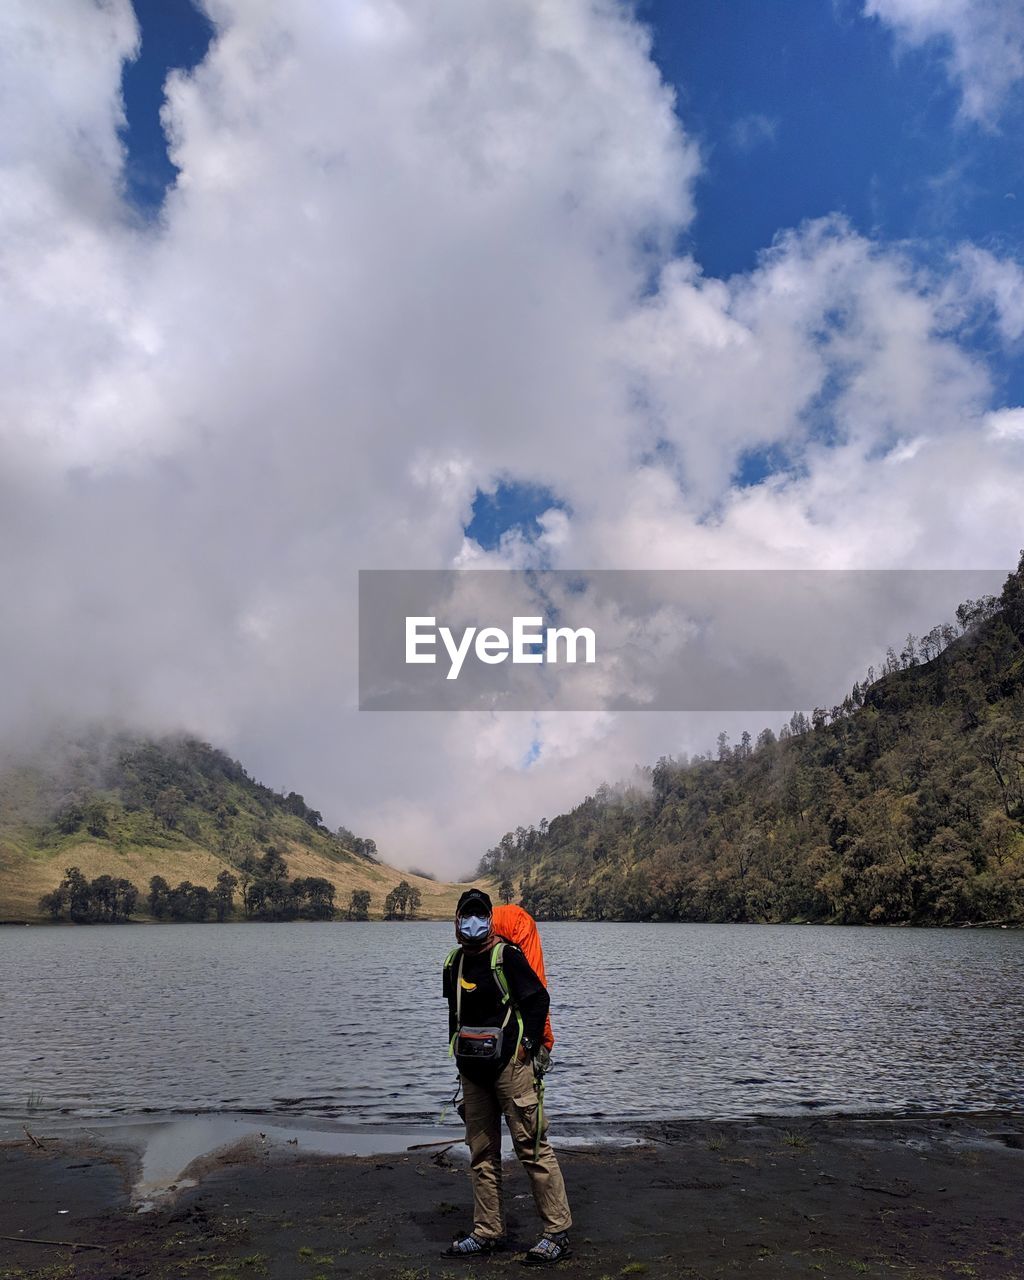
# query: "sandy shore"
x,y
773,1198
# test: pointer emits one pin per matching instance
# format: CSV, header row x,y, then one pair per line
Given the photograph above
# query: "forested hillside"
x,y
904,804
119,810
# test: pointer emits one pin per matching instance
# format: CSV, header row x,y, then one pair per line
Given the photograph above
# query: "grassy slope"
x,y
224,815
27,874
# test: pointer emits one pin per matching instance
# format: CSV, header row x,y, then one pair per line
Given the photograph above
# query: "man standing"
x,y
497,1007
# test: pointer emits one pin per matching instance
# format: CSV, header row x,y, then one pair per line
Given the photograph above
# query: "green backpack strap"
x,y
538,1132
449,961
497,953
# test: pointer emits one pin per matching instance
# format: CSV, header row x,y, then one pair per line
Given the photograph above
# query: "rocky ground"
x,y
829,1196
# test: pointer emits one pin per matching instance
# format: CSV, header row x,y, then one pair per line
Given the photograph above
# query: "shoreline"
x,y
42,921
62,1124
921,1196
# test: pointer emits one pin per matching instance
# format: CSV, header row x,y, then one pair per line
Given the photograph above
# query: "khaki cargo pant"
x,y
514,1095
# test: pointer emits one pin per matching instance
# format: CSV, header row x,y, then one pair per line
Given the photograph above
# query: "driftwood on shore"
x,y
61,1244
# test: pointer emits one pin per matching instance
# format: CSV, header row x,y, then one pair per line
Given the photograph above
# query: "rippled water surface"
x,y
347,1021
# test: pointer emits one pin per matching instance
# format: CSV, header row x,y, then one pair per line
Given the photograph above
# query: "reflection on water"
x,y
347,1020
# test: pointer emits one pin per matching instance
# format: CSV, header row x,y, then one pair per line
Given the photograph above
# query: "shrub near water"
x,y
267,894
105,900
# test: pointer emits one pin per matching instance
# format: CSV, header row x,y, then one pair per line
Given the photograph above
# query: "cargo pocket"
x,y
524,1103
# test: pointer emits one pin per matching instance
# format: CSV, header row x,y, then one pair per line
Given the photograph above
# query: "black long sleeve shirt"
x,y
482,1005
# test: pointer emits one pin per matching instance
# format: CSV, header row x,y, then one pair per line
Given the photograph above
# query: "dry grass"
x,y
25,877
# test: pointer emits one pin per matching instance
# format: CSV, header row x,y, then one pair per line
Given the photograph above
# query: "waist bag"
x,y
479,1044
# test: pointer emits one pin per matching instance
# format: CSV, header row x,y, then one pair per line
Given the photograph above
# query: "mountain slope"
x,y
903,805
126,807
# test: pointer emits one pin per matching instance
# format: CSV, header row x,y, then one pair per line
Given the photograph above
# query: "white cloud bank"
x,y
413,249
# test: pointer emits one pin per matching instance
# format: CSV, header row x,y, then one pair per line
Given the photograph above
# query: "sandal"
x,y
548,1249
473,1246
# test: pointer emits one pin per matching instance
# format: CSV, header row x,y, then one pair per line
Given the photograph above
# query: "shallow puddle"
x,y
173,1154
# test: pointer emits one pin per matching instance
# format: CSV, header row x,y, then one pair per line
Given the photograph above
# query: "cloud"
x,y
830,337
753,130
1006,424
982,42
411,252
996,284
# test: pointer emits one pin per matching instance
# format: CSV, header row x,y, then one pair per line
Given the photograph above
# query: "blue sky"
x,y
174,34
801,109
806,108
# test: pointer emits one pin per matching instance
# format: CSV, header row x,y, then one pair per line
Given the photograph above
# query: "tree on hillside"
x,y
506,891
1011,600
55,902
96,818
246,874
224,895
105,900
169,806
313,898
103,892
359,905
296,804
270,895
364,847
189,902
272,866
90,814
127,897
76,888
402,902
69,818
159,893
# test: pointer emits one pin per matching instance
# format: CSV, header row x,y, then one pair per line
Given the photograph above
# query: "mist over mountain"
x,y
902,805
127,808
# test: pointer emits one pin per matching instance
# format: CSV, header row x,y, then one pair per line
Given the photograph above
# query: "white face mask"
x,y
475,928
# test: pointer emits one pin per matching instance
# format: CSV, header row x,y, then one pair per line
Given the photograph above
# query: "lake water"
x,y
346,1021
